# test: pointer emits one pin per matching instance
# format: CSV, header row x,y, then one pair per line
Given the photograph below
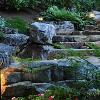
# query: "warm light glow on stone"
x,y
4,73
3,87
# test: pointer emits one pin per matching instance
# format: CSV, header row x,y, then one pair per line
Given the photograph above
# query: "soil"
x,y
27,14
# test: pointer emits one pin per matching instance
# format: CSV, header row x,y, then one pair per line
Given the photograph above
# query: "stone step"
x,y
94,60
43,71
90,27
75,45
18,82
64,53
75,38
81,33
26,88
53,62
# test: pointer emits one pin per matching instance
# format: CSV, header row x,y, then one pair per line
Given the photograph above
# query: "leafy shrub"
x,y
15,4
1,36
59,3
96,50
2,22
97,4
55,14
18,23
80,5
83,5
18,4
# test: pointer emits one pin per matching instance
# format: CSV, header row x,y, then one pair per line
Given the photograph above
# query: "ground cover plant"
x,y
18,23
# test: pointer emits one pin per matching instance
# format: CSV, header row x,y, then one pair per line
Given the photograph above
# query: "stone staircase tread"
x,y
74,35
71,49
86,57
75,38
81,33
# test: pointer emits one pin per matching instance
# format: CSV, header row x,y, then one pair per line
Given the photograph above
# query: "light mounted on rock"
x,y
91,15
40,19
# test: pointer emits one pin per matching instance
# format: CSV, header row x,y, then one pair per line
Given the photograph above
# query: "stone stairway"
x,y
38,76
76,42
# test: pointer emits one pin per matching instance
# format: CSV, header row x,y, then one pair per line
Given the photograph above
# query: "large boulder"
x,y
40,34
8,30
7,49
19,89
28,74
94,60
17,82
94,38
97,16
63,69
25,88
63,27
47,29
6,53
16,39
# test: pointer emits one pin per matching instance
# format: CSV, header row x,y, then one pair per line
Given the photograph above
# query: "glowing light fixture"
x,y
40,18
91,15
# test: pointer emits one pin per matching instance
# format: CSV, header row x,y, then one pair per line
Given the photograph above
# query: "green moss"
x,y
17,23
59,46
96,50
22,60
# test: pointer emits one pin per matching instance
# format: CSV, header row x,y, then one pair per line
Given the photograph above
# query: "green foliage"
x,y
1,36
97,4
95,92
59,46
83,5
79,19
22,60
16,4
72,71
2,22
65,93
2,25
59,3
17,23
61,93
80,5
96,50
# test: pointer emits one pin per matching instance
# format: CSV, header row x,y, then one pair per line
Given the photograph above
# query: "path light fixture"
x,y
91,15
40,18
55,59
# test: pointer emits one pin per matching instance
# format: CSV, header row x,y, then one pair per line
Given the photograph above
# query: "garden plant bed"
x,y
49,50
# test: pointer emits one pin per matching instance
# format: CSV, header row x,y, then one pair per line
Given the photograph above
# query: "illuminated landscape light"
x,y
91,15
40,18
